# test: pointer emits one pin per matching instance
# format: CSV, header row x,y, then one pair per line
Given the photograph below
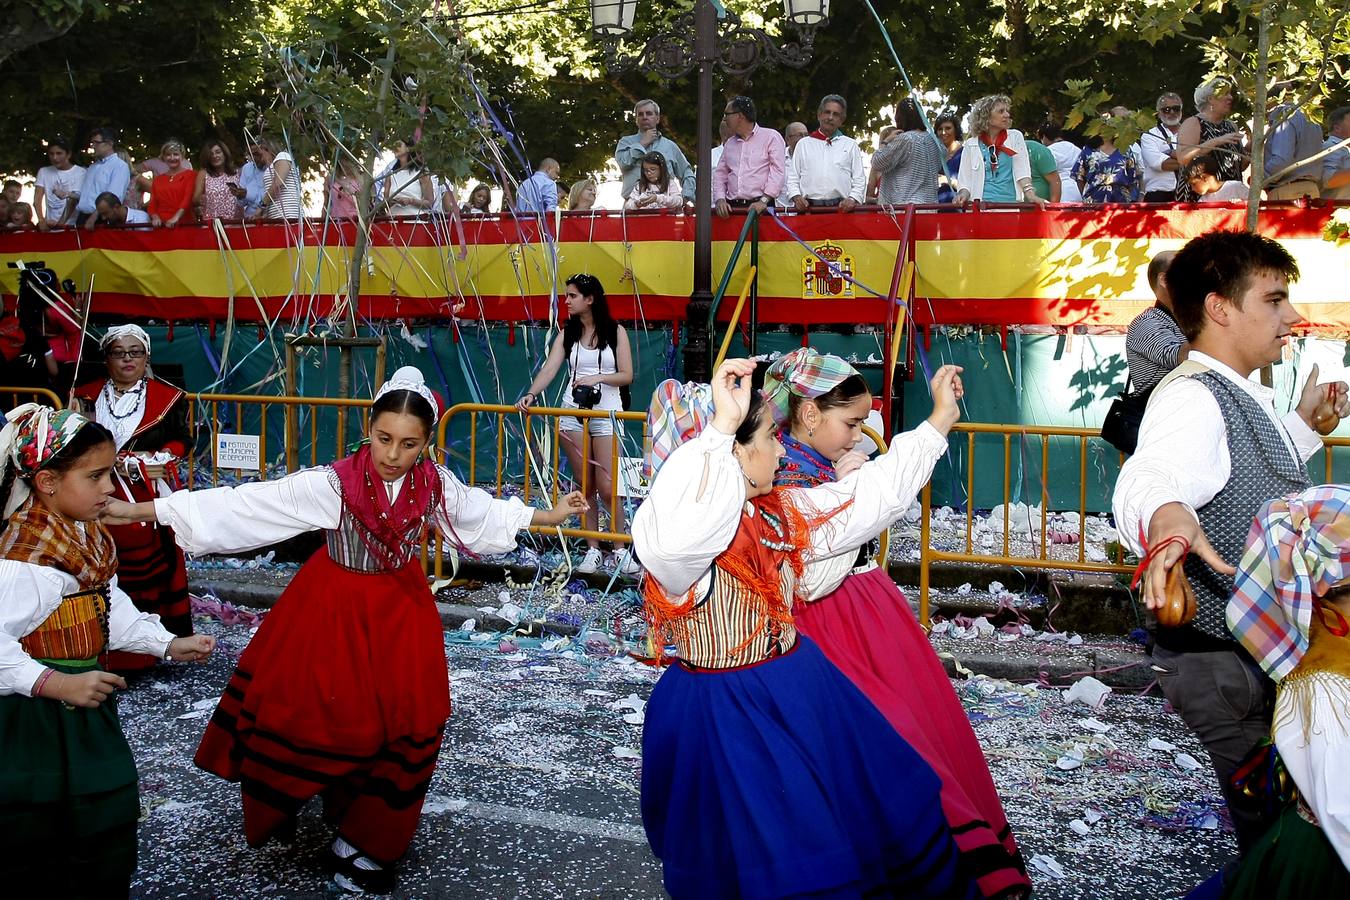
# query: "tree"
x,y
1302,44
173,68
26,25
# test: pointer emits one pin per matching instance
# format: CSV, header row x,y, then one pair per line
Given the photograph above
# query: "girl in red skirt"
x,y
343,691
867,629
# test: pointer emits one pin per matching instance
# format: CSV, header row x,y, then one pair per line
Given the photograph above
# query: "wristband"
x,y
42,679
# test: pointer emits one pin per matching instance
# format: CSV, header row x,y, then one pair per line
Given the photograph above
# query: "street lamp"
x,y
699,40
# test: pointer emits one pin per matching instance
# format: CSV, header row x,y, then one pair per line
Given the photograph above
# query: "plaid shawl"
x,y
39,536
803,372
1298,550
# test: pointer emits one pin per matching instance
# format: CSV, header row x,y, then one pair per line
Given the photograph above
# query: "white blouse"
x,y
231,520
30,593
1312,733
696,500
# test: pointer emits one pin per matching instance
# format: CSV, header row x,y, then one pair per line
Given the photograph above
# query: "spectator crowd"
x,y
1197,159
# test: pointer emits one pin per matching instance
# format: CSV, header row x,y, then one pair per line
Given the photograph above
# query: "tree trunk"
x,y
1259,115
366,210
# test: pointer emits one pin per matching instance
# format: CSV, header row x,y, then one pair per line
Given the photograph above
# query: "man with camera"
x,y
1212,449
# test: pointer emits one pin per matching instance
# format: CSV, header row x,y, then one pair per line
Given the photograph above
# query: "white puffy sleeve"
x,y
28,595
1313,736
479,521
692,512
231,520
134,631
877,494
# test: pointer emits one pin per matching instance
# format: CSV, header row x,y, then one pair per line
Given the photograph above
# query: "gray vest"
x,y
1262,469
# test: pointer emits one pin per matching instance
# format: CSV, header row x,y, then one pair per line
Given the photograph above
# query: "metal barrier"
x,y
1042,559
12,397
529,463
253,411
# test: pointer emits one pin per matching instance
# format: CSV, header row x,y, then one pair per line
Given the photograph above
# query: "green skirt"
x,y
68,795
1293,860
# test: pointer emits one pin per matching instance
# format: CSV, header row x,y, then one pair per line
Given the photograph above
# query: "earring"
x,y
810,432
749,479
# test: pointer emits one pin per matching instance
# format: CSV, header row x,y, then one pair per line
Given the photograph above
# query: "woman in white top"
x,y
600,363
281,181
1066,155
54,184
406,188
656,189
995,166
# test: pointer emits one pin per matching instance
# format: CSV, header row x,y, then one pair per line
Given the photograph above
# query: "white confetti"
x,y
626,753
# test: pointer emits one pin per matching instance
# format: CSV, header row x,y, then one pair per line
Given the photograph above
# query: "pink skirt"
x,y
867,629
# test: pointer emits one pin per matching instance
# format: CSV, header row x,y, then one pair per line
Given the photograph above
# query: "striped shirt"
x,y
1151,346
909,165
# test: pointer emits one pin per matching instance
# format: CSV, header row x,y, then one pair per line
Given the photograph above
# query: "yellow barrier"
x,y
17,396
244,406
499,413
1042,559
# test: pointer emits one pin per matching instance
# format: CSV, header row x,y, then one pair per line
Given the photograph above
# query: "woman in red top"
x,y
148,421
171,192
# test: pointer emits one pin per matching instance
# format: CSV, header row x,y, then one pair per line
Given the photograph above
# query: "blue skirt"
x,y
782,779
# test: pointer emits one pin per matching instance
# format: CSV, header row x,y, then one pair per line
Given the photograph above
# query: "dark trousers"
x,y
1228,702
1160,197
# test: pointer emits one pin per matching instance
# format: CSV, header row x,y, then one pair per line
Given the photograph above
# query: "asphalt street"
x,y
536,794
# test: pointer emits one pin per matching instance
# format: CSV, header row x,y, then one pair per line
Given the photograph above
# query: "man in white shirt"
x,y
1212,449
826,168
112,211
1156,152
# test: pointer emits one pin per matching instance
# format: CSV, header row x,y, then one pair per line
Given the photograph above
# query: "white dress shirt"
x,y
1182,455
1155,147
826,170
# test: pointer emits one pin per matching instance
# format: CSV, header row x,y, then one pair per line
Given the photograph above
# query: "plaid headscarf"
x,y
803,372
1298,550
678,412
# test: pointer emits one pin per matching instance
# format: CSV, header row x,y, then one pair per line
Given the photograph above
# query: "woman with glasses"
x,y
1209,132
995,166
148,421
600,366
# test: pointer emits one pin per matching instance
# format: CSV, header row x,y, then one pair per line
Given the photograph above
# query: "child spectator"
x,y
655,188
20,215
1202,177
12,190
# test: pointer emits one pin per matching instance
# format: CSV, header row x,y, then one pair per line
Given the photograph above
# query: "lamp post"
x,y
697,40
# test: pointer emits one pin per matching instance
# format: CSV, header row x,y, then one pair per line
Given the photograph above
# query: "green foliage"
x,y
171,68
354,78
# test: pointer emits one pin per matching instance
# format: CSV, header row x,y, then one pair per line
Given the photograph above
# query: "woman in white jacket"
x,y
995,166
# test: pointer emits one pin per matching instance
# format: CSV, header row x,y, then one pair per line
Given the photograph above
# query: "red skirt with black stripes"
x,y
343,693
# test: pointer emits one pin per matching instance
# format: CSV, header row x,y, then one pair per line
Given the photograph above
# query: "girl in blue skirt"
x,y
766,772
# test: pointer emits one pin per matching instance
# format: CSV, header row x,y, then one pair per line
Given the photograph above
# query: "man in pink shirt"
x,y
751,171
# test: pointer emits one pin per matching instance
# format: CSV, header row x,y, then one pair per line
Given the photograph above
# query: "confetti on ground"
x,y
536,794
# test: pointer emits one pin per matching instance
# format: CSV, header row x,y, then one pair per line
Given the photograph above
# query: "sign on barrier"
x,y
238,451
632,483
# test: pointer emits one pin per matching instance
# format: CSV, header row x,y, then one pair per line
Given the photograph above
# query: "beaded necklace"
x,y
782,545
110,393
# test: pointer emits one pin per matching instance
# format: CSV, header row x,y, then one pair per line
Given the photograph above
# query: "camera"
x,y
585,396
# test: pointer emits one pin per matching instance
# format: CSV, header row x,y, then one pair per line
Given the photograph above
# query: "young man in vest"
x,y
1212,449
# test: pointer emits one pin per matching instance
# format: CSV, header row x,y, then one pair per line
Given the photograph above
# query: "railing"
x,y
1042,558
11,397
251,416
529,462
